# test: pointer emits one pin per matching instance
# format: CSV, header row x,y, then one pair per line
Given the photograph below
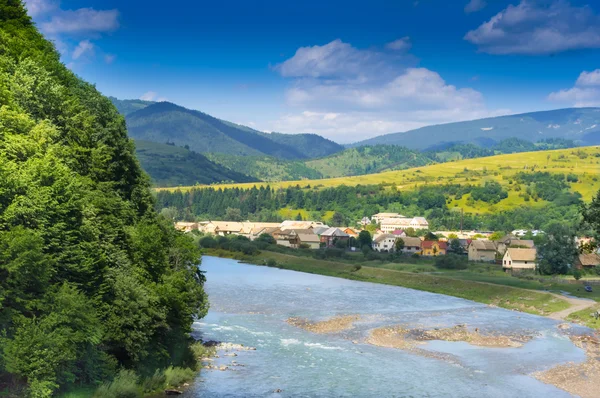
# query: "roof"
x,y
521,254
507,238
523,242
299,231
483,245
320,230
308,238
420,220
398,232
392,215
411,242
334,232
382,237
589,260
428,244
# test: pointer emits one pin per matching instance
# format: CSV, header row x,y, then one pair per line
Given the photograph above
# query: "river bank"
x,y
500,295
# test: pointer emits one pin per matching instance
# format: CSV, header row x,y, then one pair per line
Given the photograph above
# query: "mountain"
x,y
164,122
93,282
170,165
582,125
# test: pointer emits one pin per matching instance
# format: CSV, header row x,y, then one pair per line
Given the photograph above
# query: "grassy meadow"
x,y
583,162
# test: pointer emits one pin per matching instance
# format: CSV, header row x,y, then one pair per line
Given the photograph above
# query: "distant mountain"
x,y
169,166
125,107
581,125
164,122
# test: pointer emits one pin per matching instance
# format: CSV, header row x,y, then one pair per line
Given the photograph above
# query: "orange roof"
x,y
428,244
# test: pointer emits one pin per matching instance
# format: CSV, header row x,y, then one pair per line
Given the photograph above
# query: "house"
x,y
389,225
399,233
291,224
518,258
411,245
312,240
332,235
587,261
482,250
433,248
351,232
379,217
365,221
513,241
186,226
384,243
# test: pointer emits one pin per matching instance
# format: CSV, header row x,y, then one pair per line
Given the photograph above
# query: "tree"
x,y
233,214
496,236
430,236
170,213
591,214
411,232
299,217
365,239
266,238
557,251
456,247
337,219
341,244
399,245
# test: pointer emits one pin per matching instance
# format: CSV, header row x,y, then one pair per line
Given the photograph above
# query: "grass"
x,y
584,162
500,294
583,317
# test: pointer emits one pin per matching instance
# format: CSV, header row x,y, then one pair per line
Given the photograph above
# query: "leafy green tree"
x,y
456,247
233,214
591,214
399,245
557,251
365,239
338,219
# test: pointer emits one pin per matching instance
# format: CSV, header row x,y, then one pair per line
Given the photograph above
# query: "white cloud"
x,y
538,27
402,44
149,96
36,8
474,6
586,91
109,58
83,20
84,47
349,94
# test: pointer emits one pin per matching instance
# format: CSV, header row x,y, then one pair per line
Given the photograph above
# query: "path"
x,y
577,304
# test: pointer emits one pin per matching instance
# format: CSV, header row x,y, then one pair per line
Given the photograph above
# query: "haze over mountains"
x,y
175,143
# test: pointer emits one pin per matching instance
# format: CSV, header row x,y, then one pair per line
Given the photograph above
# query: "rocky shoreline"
x,y
332,325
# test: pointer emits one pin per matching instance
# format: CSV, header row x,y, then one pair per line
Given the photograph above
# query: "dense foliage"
x,y
354,203
91,278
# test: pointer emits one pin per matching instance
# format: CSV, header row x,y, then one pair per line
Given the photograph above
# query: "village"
x,y
395,233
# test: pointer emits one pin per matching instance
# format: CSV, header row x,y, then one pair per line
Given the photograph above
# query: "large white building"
x,y
389,225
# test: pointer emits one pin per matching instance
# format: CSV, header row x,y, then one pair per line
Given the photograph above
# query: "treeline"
x,y
92,280
351,203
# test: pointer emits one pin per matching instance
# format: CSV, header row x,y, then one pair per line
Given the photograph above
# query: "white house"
x,y
389,225
384,243
517,258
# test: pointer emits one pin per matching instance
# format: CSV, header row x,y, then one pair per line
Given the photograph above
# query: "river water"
x,y
250,304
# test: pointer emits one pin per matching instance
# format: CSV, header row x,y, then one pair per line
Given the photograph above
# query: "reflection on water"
x,y
250,304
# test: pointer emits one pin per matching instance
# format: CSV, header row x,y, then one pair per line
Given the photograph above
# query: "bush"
x,y
176,376
356,268
271,262
201,351
208,242
577,274
451,261
157,381
123,386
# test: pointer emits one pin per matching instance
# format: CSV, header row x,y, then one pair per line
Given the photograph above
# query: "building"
x,y
186,226
433,248
411,245
518,258
389,225
351,232
291,224
379,217
332,235
587,261
513,241
399,233
482,250
311,240
365,221
384,243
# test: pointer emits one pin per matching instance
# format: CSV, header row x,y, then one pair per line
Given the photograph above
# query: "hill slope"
x,y
92,280
170,166
166,122
581,125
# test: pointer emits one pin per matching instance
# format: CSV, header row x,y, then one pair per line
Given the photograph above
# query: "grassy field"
x,y
583,317
418,276
583,162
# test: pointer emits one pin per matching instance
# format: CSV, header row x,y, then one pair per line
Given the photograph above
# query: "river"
x,y
250,305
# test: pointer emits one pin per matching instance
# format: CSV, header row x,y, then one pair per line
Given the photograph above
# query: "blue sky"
x,y
346,70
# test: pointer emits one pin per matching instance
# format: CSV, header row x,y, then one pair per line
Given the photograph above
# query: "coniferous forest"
x,y
92,280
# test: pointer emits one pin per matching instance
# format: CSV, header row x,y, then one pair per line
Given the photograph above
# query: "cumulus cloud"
x,y
84,47
149,96
474,6
349,94
538,27
82,21
586,91
39,7
402,44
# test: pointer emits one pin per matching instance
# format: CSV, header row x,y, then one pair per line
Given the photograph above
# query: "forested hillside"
x,y
170,165
91,278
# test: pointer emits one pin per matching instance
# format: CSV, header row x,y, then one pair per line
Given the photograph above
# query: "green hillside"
x,y
93,281
170,166
165,122
581,125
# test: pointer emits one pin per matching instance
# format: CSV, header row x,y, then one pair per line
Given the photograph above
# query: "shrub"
x,y
451,261
577,274
356,268
156,382
208,242
176,376
201,351
271,262
123,386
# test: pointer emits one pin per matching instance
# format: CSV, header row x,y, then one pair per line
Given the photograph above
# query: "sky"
x,y
348,70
